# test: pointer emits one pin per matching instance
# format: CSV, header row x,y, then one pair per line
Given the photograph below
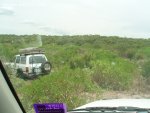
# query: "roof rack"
x,y
30,51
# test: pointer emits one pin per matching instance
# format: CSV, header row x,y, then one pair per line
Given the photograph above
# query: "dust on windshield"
x,y
84,68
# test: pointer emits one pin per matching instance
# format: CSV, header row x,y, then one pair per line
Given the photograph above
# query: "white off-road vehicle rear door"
x,y
35,62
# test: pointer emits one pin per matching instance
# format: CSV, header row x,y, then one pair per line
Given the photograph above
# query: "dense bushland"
x,y
81,64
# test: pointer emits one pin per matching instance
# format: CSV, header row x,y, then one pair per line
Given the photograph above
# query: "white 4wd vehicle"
x,y
31,62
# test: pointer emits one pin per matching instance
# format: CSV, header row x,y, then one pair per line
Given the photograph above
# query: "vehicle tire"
x,y
46,67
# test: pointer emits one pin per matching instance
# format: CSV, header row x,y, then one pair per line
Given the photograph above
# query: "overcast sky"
x,y
127,18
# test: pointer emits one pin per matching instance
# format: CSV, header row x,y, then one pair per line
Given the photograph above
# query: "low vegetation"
x,y
81,64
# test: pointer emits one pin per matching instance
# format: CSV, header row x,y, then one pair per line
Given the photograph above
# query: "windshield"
x,y
76,51
37,59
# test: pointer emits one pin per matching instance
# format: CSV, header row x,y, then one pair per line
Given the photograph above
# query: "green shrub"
x,y
116,75
139,56
63,86
146,69
60,55
144,52
130,54
82,61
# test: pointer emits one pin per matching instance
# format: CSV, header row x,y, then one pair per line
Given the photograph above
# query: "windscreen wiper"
x,y
130,108
100,109
114,109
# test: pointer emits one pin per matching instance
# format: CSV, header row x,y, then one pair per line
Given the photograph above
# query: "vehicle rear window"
x,y
37,59
17,59
23,60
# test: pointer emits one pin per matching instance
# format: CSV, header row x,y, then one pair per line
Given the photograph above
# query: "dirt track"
x,y
136,91
139,89
124,94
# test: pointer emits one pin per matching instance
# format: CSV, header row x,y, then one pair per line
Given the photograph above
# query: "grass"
x,y
63,86
116,75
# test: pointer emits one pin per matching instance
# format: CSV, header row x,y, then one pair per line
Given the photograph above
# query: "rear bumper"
x,y
32,74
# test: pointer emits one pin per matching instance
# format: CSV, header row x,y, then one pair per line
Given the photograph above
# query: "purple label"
x,y
50,108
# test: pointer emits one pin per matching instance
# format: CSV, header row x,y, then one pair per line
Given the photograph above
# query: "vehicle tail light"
x,y
27,70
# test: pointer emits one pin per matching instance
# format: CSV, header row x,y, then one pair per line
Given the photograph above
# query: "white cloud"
x,y
6,11
53,31
44,28
30,22
104,17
